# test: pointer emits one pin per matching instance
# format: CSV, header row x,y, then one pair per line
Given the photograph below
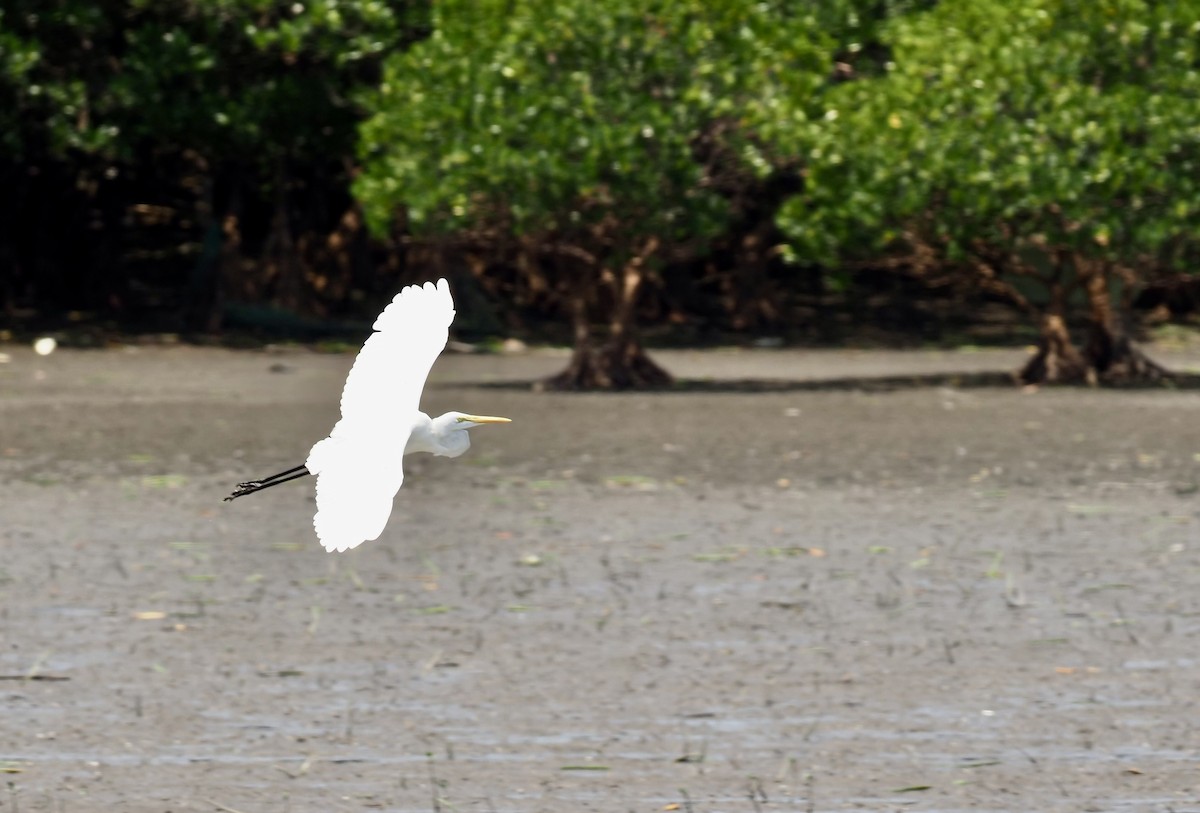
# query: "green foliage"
x,y
1028,127
150,147
232,79
558,118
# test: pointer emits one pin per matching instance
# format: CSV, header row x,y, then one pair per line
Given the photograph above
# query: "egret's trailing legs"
x,y
251,486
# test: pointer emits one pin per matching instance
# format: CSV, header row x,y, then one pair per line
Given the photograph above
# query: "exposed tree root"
x,y
1109,357
1057,360
1117,360
615,366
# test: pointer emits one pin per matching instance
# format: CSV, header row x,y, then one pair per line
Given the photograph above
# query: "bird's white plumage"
x,y
386,380
359,466
354,493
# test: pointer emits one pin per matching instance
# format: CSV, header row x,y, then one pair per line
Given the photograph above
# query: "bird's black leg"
x,y
251,486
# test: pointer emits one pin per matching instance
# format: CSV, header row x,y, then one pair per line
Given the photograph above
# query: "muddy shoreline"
x,y
932,599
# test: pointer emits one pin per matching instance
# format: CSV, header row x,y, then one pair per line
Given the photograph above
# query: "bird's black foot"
x,y
251,486
242,489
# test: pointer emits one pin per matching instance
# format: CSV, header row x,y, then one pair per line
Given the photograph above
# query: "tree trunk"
x,y
201,312
280,252
1057,360
621,363
1111,355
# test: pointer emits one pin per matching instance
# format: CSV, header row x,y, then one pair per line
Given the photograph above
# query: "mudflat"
x,y
929,598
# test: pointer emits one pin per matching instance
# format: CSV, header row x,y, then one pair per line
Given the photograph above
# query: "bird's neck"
x,y
422,437
438,436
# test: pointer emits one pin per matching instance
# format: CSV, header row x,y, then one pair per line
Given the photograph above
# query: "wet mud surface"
x,y
927,599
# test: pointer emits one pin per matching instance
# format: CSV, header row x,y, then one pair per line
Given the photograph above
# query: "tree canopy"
x,y
603,135
605,162
1043,149
226,77
193,110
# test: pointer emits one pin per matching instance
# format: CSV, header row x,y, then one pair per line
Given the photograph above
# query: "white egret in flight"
x,y
359,467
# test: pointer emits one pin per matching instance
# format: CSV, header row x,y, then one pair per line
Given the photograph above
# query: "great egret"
x,y
359,467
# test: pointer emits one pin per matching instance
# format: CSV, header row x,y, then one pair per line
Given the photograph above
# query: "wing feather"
x,y
359,467
355,487
383,389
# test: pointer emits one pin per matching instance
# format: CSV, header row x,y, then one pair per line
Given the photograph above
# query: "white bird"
x,y
359,467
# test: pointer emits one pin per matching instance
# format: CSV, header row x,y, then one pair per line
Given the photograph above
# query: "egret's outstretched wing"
x,y
383,389
359,466
355,487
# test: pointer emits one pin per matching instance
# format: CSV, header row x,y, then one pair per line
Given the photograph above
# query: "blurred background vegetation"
x,y
602,171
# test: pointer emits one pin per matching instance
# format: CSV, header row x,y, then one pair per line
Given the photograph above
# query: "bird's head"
x,y
450,430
